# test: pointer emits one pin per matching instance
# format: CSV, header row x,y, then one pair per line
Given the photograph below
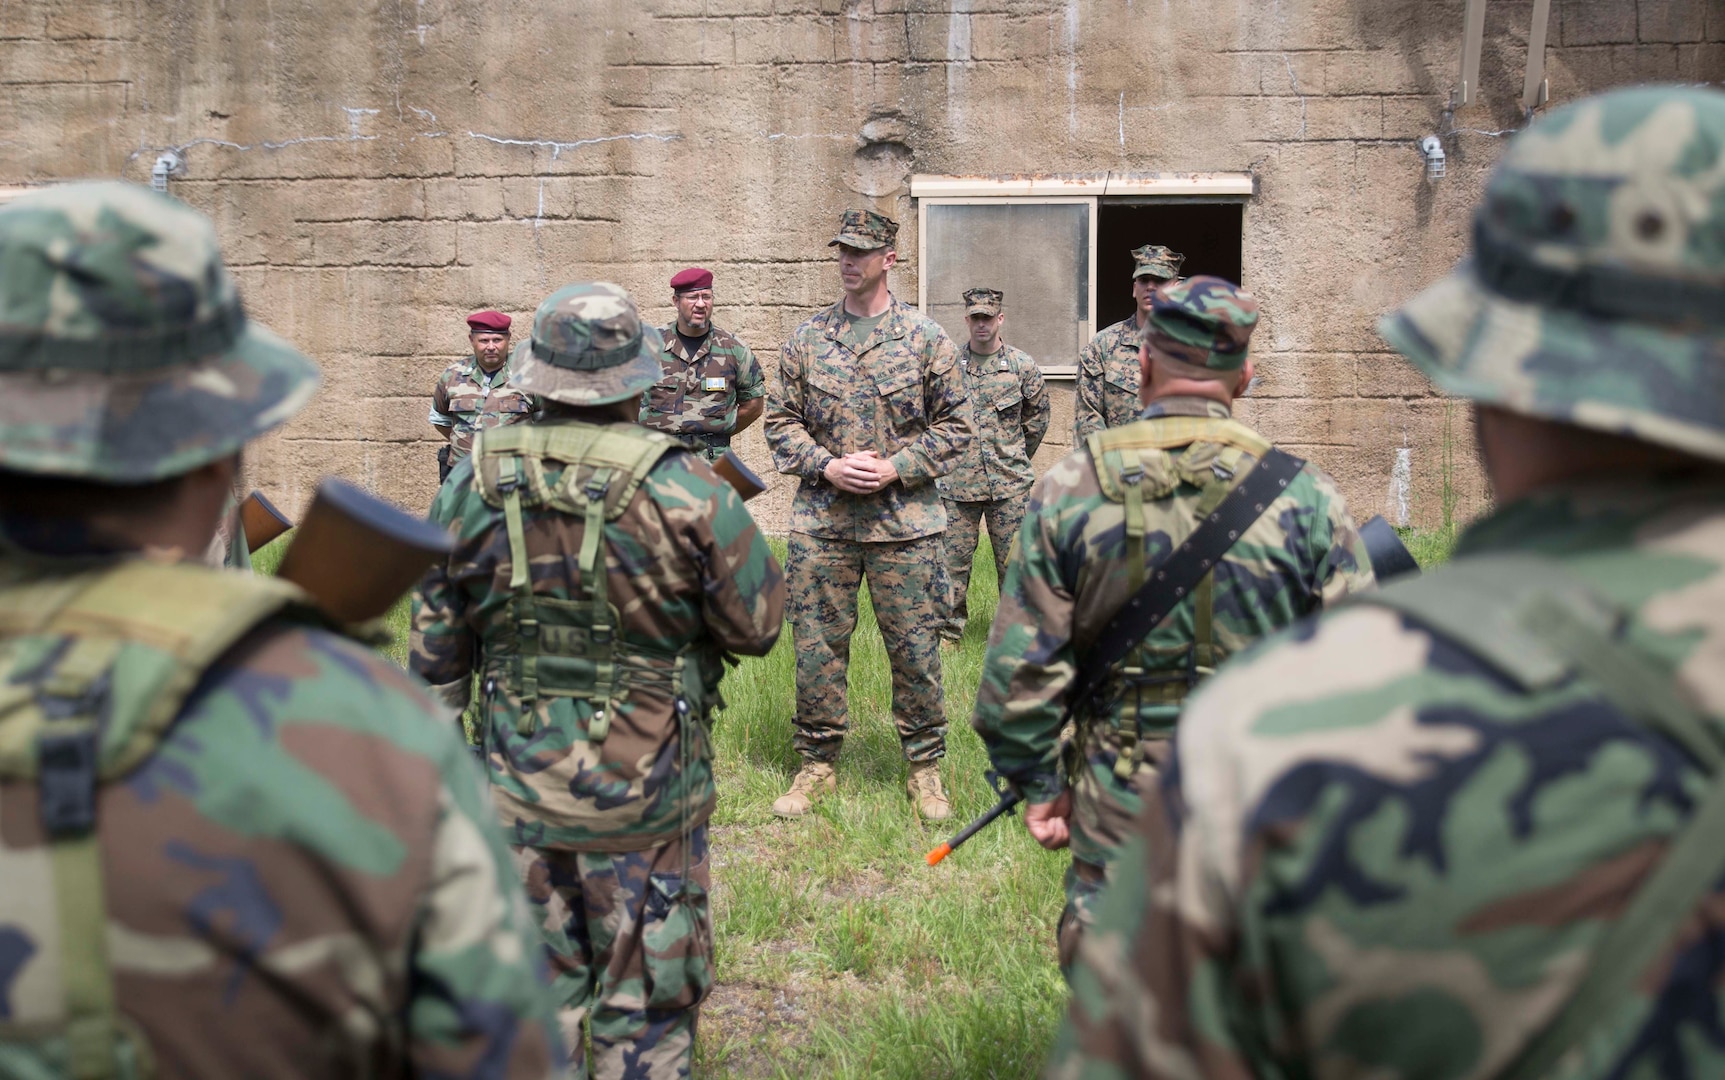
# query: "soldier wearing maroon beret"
x,y
475,392
712,387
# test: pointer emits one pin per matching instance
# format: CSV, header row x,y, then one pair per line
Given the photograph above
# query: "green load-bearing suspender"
x,y
1529,619
510,473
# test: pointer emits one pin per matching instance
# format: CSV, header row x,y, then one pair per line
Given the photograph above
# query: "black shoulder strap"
x,y
1176,576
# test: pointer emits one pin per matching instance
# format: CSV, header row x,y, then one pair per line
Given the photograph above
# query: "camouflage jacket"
x,y
699,394
301,875
686,567
1009,410
1107,393
1069,575
901,395
465,399
1416,854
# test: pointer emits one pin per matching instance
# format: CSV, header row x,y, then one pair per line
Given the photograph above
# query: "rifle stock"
x,y
732,470
261,521
356,554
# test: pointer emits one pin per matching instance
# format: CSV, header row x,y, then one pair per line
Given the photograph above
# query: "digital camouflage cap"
x,y
588,347
983,302
1156,261
865,230
125,355
1203,321
1595,292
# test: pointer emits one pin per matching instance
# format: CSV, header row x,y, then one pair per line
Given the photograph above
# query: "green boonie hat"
x,y
1203,321
588,347
865,230
982,302
1154,260
125,355
1595,291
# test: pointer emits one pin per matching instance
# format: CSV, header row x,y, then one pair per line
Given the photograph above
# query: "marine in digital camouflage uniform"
x,y
1432,835
1009,409
1074,568
1107,390
867,410
598,686
711,388
476,392
235,842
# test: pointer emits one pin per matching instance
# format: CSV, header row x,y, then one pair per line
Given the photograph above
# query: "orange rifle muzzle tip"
x,y
939,853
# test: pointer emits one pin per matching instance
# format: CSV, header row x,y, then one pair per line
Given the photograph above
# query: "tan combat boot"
x,y
926,792
813,780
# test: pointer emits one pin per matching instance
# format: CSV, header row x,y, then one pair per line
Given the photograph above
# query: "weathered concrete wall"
x,y
379,169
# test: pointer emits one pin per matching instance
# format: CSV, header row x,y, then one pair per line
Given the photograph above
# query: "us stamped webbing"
x,y
1175,577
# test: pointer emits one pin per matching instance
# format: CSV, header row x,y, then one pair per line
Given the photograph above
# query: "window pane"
x,y
1037,253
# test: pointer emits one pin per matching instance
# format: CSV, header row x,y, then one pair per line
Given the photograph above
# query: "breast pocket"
x,y
1120,394
826,410
466,404
901,403
1007,411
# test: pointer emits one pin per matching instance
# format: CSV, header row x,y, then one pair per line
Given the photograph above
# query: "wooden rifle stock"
x,y
356,554
261,521
732,470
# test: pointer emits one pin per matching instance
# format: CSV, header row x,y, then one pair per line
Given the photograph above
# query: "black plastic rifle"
x,y
1009,798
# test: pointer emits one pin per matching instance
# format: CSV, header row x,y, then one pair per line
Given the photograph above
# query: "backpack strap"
x,y
1537,625
151,631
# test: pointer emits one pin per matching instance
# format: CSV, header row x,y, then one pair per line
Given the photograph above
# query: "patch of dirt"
x,y
751,1026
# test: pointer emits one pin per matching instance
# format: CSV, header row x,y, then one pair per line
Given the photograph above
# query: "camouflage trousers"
x,y
963,530
1104,808
907,586
630,946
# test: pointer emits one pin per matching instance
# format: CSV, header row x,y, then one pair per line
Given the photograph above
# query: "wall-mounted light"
x,y
167,164
1432,147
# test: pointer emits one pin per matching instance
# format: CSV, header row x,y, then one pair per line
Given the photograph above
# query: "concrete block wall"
x,y
378,170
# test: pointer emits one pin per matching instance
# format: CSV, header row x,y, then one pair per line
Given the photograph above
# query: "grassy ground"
x,y
840,952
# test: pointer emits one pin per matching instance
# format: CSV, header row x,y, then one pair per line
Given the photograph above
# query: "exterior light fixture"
x,y
167,164
1432,147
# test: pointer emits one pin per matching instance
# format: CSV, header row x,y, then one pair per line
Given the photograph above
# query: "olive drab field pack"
x,y
574,648
1133,467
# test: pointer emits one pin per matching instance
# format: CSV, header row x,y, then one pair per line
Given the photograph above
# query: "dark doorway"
x,y
1207,233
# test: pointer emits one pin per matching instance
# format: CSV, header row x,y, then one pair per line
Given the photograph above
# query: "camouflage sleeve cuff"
x,y
1039,787
441,419
454,694
910,474
750,393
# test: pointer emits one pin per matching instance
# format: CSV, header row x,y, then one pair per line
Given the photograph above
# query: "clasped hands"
x,y
862,473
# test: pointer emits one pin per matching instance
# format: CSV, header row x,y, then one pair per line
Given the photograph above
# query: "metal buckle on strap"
x,y
602,634
1132,474
597,487
66,781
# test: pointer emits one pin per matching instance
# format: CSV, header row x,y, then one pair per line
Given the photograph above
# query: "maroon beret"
x,y
489,322
692,278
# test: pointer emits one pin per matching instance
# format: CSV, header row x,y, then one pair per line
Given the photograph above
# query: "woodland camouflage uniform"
x,y
1107,388
900,393
467,401
231,841
1009,410
1422,836
696,398
598,689
1075,566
